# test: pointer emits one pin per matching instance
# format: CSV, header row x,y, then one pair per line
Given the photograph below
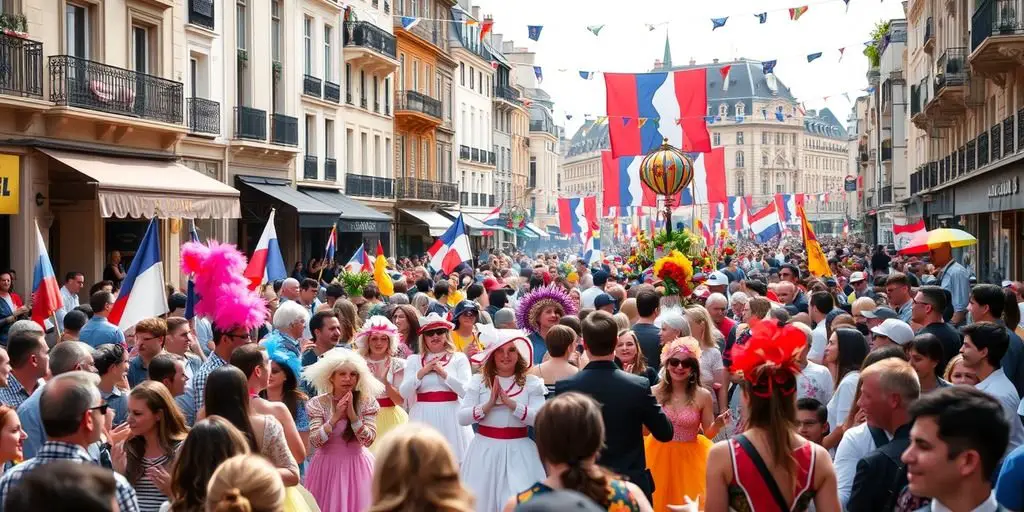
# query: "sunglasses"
x,y
102,408
674,362
435,332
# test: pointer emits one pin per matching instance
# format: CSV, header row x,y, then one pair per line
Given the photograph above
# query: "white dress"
x,y
496,468
436,402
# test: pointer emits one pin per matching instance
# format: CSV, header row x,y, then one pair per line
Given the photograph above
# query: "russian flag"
x,y
645,108
142,294
46,299
266,264
765,223
451,249
577,214
360,262
622,184
708,179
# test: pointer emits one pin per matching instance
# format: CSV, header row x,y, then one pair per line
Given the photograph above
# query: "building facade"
x,y
474,126
967,133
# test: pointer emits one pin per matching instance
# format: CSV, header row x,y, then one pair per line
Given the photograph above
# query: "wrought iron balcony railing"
x,y
953,69
312,86
415,188
369,186
310,168
332,92
21,67
418,102
509,94
250,124
330,169
367,35
203,116
284,130
82,83
201,13
995,18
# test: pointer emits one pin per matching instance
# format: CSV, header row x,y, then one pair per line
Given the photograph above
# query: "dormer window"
x,y
723,109
740,110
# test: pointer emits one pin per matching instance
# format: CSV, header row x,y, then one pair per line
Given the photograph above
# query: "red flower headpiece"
x,y
769,358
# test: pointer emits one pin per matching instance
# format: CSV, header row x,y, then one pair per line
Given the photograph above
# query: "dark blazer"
x,y
627,406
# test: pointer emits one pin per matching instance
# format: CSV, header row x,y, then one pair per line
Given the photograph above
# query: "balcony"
x,y
429,31
312,86
284,130
507,94
951,90
464,153
330,169
310,168
425,190
929,36
82,83
996,142
250,124
418,109
369,47
369,186
332,92
1008,136
201,13
203,116
21,67
997,38
886,196
983,148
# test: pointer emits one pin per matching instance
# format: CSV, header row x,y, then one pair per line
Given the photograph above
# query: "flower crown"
x,y
687,347
768,360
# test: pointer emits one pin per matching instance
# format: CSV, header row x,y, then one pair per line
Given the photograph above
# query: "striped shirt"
x,y
149,496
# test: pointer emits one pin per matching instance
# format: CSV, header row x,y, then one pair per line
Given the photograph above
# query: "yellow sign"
x,y
10,170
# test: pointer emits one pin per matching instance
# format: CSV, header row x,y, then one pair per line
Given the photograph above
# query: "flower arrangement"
x,y
354,282
684,241
676,273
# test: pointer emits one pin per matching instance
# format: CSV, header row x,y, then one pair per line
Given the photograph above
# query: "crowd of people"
x,y
525,382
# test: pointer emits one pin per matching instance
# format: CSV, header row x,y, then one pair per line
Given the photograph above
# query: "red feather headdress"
x,y
769,358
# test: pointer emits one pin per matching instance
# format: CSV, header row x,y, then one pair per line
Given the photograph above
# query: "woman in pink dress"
x,y
342,425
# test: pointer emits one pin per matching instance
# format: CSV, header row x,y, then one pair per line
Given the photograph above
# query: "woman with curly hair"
x,y
343,424
769,466
502,400
435,381
678,465
570,436
416,471
377,342
539,311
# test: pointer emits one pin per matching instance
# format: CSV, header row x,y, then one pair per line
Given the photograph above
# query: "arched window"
x,y
780,183
723,109
740,109
739,159
740,186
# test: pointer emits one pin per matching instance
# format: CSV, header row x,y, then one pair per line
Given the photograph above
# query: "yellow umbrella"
x,y
928,240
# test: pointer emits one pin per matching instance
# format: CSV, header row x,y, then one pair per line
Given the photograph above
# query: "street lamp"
x,y
666,171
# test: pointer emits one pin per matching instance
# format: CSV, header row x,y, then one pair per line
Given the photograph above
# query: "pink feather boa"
x,y
224,295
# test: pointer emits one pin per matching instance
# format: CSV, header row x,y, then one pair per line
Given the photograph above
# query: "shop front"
x,y
417,229
991,207
358,224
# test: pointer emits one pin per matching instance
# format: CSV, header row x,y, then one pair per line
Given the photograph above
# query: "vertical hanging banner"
x,y
533,31
676,100
538,73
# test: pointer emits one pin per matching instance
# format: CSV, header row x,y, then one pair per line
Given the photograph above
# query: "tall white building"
x,y
474,134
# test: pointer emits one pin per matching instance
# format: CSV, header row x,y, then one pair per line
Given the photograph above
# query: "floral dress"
x,y
619,497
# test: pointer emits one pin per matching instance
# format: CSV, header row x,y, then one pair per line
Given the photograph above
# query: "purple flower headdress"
x,y
224,295
528,312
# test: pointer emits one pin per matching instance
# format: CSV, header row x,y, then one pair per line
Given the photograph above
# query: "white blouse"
x,y
529,399
456,364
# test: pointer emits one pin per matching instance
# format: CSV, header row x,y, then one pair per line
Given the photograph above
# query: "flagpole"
x,y
56,325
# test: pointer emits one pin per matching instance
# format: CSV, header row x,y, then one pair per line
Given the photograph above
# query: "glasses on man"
x,y
102,408
244,337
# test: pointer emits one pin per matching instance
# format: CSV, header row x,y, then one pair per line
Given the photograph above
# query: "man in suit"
x,y
958,436
627,404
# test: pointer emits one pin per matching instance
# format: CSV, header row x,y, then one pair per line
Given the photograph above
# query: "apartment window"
x,y
472,78
764,137
387,96
387,161
376,94
416,75
364,153
307,44
740,185
401,72
765,187
348,82
140,48
778,138
242,22
377,166
739,138
716,139
242,67
275,30
764,160
723,109
739,159
77,24
362,87
350,150
480,82
740,109
328,55
426,78
462,74
310,142
426,160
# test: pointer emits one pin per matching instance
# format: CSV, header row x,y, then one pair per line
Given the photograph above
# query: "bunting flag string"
x,y
796,12
595,29
762,17
718,23
811,57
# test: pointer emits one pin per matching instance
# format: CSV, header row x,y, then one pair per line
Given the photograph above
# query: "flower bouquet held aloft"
x,y
676,273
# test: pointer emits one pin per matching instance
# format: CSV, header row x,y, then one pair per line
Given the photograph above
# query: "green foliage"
x,y
354,282
13,22
877,35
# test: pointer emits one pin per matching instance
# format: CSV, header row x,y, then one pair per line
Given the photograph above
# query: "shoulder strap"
x,y
762,468
881,439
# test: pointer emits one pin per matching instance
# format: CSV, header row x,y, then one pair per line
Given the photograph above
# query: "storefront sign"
x,y
10,171
1004,188
363,226
850,184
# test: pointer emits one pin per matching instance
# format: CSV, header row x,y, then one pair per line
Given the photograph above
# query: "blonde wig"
x,y
319,373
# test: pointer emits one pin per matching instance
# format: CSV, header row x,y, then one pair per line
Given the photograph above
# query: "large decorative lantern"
x,y
666,171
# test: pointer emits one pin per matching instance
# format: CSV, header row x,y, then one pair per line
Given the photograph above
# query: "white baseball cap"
x,y
896,330
717,278
857,277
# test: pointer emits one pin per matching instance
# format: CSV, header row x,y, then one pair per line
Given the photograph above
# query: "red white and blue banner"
x,y
577,214
142,293
623,187
266,264
765,223
645,108
46,298
452,248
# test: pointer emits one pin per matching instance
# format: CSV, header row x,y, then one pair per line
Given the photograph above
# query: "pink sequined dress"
x,y
679,466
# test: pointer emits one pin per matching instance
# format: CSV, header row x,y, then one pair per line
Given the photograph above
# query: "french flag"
x,y
765,223
622,184
737,213
360,262
708,179
592,248
787,204
46,299
718,217
451,249
645,108
142,294
266,264
577,214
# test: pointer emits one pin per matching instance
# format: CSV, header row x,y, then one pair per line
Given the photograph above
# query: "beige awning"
x,y
134,187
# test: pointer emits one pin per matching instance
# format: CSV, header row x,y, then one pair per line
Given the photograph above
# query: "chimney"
x,y
497,40
693,62
714,61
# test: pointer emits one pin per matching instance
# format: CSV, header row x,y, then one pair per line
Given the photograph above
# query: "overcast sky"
x,y
625,44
